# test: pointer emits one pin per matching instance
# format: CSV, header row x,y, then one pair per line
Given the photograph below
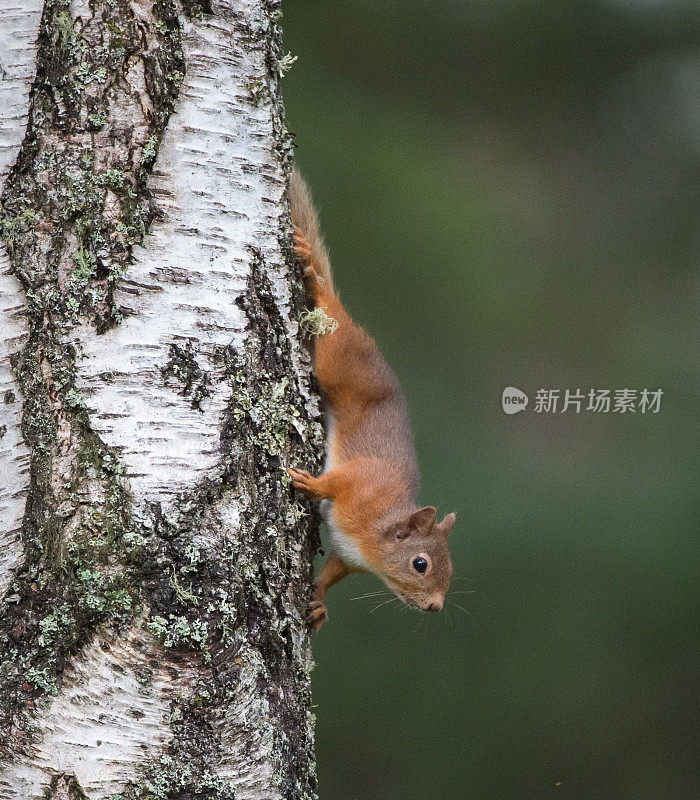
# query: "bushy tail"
x,y
304,217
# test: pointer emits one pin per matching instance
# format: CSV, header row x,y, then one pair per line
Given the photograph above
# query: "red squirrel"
x,y
368,491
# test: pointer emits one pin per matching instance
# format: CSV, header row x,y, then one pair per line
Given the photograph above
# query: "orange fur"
x,y
373,482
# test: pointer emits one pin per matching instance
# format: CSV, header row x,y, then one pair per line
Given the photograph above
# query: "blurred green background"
x,y
509,192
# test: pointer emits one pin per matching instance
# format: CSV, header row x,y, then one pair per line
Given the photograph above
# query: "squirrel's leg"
x,y
321,488
333,570
305,254
343,355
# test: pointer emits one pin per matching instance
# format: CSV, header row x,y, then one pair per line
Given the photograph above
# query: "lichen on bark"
x,y
72,207
76,202
197,597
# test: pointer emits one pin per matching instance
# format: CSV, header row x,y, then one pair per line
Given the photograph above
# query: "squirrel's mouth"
x,y
407,600
403,597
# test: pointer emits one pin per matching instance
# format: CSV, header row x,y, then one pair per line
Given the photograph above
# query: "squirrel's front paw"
x,y
318,614
302,480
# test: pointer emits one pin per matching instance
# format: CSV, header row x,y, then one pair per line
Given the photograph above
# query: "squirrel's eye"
x,y
420,564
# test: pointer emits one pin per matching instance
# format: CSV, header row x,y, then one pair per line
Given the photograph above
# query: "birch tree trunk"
x,y
154,563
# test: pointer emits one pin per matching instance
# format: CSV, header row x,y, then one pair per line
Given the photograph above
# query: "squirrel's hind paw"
x,y
304,253
302,247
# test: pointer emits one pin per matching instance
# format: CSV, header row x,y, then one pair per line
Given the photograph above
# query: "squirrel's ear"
x,y
446,525
423,519
420,521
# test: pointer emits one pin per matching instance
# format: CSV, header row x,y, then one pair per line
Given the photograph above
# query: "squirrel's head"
x,y
416,560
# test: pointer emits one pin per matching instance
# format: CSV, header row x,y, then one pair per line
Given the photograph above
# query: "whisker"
x,y
449,619
370,594
422,624
390,600
463,591
457,605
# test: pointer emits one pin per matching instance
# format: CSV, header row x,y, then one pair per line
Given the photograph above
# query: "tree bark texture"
x,y
155,564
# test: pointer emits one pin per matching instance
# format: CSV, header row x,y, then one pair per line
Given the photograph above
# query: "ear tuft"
x,y
423,519
446,525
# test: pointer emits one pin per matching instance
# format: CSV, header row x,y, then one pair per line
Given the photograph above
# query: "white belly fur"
x,y
342,544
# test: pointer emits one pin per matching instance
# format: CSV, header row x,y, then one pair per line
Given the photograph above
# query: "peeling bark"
x,y
155,565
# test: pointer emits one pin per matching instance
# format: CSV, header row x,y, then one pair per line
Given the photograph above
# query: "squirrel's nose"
x,y
435,605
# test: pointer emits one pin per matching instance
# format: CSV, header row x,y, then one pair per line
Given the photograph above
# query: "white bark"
x,y
101,724
220,195
13,452
18,32
219,182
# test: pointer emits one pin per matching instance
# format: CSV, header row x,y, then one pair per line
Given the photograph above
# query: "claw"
x,y
301,245
318,614
301,479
